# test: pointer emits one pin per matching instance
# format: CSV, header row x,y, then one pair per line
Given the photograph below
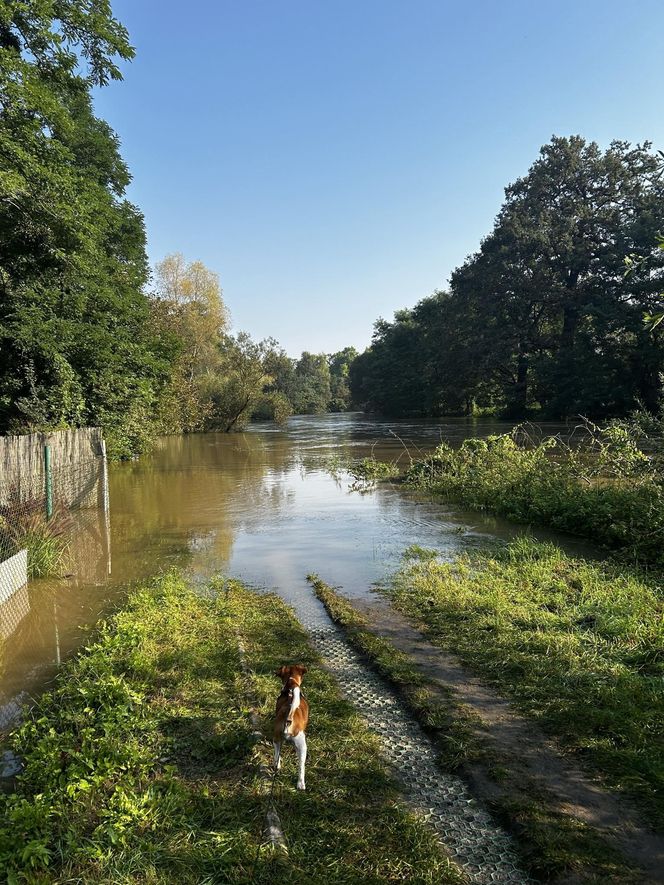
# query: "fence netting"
x,y
54,524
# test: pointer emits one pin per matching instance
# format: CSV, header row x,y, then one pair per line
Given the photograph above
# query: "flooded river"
x,y
261,506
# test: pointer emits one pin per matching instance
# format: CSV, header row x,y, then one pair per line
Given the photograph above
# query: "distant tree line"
x,y
547,318
220,381
85,336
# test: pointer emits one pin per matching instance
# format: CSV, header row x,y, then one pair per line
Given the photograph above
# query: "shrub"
x,y
605,488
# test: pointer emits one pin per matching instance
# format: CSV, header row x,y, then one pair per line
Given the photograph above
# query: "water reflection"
x,y
260,506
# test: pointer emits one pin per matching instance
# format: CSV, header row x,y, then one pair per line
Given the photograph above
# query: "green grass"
x,y
552,844
578,646
452,723
607,490
139,765
45,541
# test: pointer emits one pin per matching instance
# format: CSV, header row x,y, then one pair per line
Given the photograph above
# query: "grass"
x,y
24,526
577,646
452,723
606,490
139,765
552,844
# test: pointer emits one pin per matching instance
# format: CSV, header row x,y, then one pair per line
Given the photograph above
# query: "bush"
x,y
605,489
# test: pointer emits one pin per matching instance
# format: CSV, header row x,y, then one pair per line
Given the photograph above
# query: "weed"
x,y
25,526
605,488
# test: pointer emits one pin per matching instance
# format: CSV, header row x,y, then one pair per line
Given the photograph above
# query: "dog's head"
x,y
291,671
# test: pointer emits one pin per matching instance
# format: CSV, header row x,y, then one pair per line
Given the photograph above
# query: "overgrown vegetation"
x,y
24,526
576,645
139,765
605,489
553,844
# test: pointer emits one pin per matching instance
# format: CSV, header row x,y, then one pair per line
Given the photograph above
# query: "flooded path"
x,y
261,506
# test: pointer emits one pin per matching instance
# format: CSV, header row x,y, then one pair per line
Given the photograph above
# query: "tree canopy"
x,y
76,343
543,318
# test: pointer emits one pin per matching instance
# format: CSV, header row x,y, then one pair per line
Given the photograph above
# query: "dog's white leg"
x,y
277,755
300,743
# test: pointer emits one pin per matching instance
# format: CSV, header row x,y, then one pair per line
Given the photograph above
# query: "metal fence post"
x,y
105,506
48,482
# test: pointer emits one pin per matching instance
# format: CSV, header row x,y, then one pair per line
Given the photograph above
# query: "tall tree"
x,y
76,345
543,316
552,272
311,393
188,305
340,362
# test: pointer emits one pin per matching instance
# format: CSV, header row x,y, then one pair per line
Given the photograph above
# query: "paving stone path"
x,y
467,832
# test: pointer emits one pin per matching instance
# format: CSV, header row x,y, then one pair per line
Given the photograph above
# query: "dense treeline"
x,y
83,339
548,316
76,344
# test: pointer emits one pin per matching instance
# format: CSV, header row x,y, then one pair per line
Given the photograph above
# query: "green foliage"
x,y
24,526
311,386
605,489
577,645
340,363
140,764
542,318
76,341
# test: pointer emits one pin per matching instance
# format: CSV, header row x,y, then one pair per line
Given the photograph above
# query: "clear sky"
x,y
335,160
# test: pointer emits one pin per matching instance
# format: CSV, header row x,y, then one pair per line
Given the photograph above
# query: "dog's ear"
x,y
280,672
300,669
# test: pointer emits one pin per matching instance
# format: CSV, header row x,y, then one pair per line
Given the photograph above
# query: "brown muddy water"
x,y
261,506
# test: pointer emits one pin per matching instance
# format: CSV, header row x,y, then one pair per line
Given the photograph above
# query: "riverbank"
x,y
606,489
140,764
566,827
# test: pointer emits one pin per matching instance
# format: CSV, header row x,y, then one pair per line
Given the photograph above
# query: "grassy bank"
x,y
578,646
452,723
606,490
553,845
139,766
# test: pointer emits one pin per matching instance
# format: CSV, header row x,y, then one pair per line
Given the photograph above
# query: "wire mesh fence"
x,y
54,518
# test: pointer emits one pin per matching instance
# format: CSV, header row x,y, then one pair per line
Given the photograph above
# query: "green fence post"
x,y
48,482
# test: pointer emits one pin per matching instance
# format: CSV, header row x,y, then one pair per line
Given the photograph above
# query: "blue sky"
x,y
334,161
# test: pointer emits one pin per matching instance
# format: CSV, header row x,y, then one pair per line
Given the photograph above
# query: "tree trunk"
x,y
521,386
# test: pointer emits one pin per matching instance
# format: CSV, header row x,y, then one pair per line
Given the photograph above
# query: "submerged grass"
x,y
552,844
578,646
139,765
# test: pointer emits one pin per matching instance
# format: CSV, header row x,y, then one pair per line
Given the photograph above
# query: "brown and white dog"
x,y
292,715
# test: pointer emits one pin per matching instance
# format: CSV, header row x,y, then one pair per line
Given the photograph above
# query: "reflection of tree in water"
x,y
194,493
39,621
40,625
